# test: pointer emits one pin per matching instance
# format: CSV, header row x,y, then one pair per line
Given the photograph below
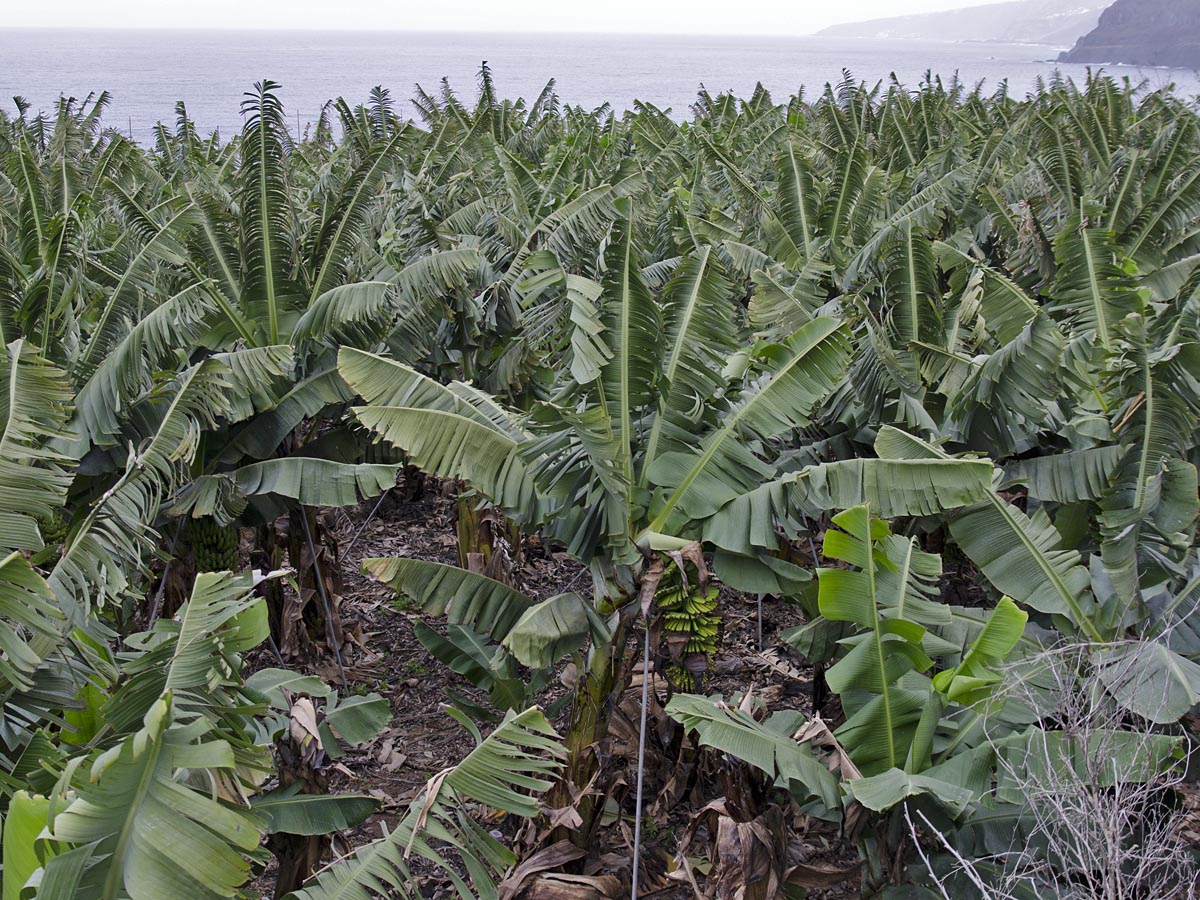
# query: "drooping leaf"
x,y
550,629
358,719
290,812
770,751
883,791
465,598
1149,679
311,481
505,771
34,477
1020,554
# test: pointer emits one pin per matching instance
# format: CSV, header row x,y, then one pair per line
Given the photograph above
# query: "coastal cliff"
x,y
1143,33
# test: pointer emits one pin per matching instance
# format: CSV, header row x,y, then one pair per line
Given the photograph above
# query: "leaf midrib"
x,y
728,428
116,872
673,361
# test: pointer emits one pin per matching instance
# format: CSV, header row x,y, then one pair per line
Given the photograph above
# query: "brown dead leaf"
x,y
559,886
817,876
750,857
693,553
552,857
657,682
303,725
390,758
650,581
432,788
563,816
747,704
816,732
775,660
569,676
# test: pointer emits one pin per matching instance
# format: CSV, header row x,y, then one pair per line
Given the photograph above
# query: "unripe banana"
x,y
215,546
54,529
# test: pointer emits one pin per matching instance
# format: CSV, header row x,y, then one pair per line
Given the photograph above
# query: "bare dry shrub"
x,y
1102,817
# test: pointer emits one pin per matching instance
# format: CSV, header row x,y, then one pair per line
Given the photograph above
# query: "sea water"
x,y
146,71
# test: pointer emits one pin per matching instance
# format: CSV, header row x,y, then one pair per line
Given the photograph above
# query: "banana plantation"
x,y
912,375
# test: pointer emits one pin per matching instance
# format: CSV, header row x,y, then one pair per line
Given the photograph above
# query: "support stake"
x,y
760,640
366,522
162,584
329,635
641,762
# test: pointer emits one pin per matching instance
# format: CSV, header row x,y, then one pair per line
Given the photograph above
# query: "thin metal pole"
x,y
641,765
760,640
275,650
812,548
162,584
366,522
312,548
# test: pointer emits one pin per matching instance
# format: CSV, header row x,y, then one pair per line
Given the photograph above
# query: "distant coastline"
x,y
148,71
1057,48
1053,23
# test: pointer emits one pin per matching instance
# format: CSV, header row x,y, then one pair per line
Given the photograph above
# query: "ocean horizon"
x,y
147,70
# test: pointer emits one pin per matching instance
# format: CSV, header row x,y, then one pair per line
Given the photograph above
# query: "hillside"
x,y
1145,33
1056,23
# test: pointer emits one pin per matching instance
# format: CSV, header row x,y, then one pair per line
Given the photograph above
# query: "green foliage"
x,y
881,725
972,316
768,745
490,668
519,757
906,734
130,796
34,477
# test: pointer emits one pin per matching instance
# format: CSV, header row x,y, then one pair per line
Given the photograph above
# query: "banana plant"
x,y
167,742
507,770
714,331
907,731
1023,555
582,471
34,479
643,445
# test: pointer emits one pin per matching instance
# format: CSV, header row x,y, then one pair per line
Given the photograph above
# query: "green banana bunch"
x,y
54,529
690,629
215,546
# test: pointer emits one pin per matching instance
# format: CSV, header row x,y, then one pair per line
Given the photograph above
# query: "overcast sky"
x,y
770,17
